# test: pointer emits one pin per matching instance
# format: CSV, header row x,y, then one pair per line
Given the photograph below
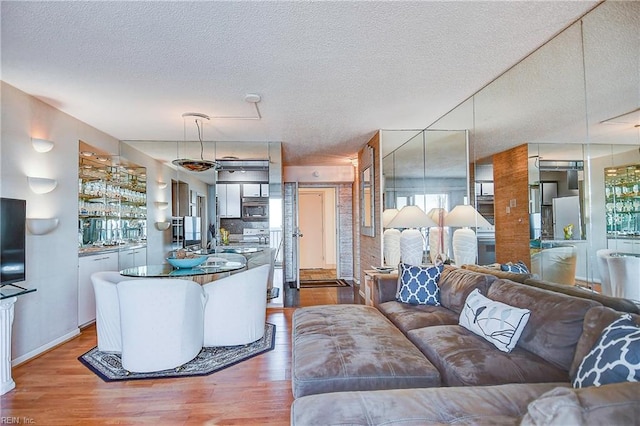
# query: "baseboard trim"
x,y
45,348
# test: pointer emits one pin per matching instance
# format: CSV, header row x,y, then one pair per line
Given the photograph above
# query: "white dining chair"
x,y
602,259
556,264
108,310
625,276
161,322
236,308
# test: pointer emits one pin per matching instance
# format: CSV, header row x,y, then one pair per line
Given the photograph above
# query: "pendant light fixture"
x,y
192,165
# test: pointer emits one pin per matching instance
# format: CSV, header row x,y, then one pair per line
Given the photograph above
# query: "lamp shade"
x,y
437,214
465,215
411,217
387,217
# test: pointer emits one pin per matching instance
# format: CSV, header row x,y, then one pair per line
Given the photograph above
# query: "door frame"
x,y
332,227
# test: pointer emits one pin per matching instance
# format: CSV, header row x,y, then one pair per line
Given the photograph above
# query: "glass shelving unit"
x,y
112,201
622,190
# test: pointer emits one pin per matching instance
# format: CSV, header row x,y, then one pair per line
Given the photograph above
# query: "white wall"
x,y
316,174
50,315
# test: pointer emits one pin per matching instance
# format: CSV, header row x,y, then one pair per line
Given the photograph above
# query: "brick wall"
x,y
511,185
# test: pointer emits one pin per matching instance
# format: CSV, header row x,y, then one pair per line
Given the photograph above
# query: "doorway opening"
x,y
317,217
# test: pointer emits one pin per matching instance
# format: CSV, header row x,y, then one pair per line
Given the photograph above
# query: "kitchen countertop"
x,y
94,250
623,237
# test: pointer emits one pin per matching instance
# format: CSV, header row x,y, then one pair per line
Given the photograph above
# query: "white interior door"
x,y
311,223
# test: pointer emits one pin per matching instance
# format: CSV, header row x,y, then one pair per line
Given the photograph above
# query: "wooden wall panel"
x,y
511,184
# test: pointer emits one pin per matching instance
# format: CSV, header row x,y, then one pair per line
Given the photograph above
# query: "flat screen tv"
x,y
12,240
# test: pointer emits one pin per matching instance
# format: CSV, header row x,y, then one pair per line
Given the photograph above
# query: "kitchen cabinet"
x,y
228,200
624,245
87,265
251,190
255,190
130,258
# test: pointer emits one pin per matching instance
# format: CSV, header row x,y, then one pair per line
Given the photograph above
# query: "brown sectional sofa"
x,y
561,330
544,352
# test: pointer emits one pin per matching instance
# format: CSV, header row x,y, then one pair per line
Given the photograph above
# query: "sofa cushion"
x,y
595,321
456,284
409,317
353,347
614,359
496,322
494,405
418,285
617,303
555,324
615,404
465,359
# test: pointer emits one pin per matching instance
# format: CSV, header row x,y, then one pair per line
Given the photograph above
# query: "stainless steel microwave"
x,y
253,210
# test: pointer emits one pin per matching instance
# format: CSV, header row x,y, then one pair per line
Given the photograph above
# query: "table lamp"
x,y
390,239
465,243
438,235
411,241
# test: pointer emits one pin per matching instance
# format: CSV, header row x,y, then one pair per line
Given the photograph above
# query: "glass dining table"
x,y
200,274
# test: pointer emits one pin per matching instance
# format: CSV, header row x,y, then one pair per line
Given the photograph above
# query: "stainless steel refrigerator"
x,y
566,210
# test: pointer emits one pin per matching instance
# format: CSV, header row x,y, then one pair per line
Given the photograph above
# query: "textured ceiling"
x,y
329,73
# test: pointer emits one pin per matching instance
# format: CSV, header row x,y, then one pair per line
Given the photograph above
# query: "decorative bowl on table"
x,y
187,262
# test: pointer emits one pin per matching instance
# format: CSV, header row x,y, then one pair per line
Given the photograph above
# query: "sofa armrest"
x,y
384,288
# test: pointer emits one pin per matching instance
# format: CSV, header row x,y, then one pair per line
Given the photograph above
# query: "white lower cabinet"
x,y
132,258
624,245
86,298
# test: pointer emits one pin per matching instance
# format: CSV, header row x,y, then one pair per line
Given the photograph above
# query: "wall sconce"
x,y
162,185
42,185
162,226
162,205
42,226
42,145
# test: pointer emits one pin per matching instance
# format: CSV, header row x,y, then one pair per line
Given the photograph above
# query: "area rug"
x,y
323,283
109,366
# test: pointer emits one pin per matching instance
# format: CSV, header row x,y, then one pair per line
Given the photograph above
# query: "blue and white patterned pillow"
x,y
614,359
496,322
418,285
517,268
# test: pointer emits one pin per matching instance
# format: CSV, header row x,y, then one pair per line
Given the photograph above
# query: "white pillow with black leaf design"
x,y
418,285
497,322
615,358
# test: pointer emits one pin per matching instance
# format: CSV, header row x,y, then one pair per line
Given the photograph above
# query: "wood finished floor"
x,y
56,389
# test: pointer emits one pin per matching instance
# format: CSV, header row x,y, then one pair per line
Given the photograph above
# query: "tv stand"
x,y
8,295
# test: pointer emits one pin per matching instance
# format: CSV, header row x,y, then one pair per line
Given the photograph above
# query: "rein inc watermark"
x,y
6,420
